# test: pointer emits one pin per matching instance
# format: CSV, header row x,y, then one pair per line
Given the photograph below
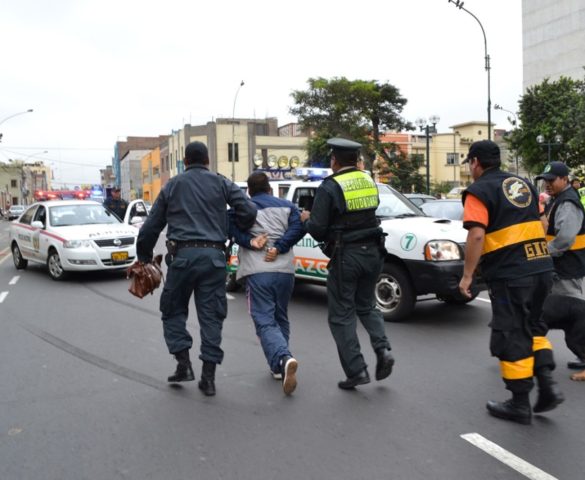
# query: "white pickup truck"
x,y
425,255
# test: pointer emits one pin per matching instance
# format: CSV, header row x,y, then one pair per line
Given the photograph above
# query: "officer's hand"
x,y
258,242
271,254
305,215
465,286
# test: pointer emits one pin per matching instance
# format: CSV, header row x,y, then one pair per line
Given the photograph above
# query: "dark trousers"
x,y
200,271
268,296
351,283
568,314
518,330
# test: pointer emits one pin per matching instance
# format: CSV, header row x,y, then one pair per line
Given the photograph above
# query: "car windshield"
x,y
394,204
441,209
87,214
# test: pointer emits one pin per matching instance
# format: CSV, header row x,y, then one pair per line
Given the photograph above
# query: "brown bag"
x,y
145,278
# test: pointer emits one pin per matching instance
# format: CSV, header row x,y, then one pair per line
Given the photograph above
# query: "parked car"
x,y
419,198
75,235
448,208
15,211
456,192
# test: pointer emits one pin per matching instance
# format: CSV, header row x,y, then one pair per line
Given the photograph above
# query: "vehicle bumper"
x,y
439,278
87,259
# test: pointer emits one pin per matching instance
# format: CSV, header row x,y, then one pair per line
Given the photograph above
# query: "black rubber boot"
x,y
184,372
549,394
517,409
384,364
207,382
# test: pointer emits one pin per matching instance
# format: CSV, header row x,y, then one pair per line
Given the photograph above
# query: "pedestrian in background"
x,y
505,234
566,244
344,218
269,274
116,203
193,207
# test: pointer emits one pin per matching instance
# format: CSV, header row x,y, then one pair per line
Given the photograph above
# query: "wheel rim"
x,y
388,294
16,256
55,267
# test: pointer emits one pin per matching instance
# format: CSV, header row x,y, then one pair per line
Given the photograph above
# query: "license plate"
x,y
119,257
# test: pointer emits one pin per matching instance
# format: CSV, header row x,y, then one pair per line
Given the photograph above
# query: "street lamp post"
x,y
543,142
514,123
234,133
12,116
459,5
428,128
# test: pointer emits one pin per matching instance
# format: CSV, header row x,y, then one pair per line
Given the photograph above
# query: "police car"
x,y
75,235
425,255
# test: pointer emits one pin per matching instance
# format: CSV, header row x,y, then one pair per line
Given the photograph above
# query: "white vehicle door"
x,y
40,217
136,213
24,232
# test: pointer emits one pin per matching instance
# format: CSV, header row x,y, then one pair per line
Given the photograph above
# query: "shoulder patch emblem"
x,y
517,192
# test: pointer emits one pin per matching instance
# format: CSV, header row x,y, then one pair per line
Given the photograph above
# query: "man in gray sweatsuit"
x,y
269,274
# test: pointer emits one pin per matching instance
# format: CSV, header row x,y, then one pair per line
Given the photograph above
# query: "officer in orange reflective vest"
x,y
344,218
506,239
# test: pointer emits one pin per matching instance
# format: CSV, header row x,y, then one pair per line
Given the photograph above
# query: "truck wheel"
x,y
456,300
19,262
395,295
231,284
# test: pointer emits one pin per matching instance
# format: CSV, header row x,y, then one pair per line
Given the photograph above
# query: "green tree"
x,y
358,109
551,108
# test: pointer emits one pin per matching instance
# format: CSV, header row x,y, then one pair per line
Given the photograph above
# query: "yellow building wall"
x,y
151,182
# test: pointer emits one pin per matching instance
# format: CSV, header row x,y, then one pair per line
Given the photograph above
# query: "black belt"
x,y
201,244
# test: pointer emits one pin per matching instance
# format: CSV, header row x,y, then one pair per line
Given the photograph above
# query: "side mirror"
x,y
37,224
136,220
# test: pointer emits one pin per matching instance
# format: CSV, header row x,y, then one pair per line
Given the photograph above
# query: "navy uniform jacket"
x,y
117,206
194,206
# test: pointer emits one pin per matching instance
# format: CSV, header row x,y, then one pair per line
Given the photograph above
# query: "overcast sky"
x,y
96,71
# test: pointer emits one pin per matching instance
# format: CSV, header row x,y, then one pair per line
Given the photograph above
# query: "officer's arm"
x,y
293,234
244,210
318,223
568,221
475,220
150,231
243,239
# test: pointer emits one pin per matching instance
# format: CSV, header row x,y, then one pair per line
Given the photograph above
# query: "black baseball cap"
x,y
486,151
554,170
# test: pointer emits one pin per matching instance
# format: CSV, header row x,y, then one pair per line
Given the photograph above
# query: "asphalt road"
x,y
83,395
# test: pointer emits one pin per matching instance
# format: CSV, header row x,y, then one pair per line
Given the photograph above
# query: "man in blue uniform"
x,y
344,217
193,207
116,203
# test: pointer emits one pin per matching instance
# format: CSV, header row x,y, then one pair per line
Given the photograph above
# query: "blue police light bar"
x,y
313,173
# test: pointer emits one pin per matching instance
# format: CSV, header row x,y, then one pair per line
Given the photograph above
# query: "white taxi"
x,y
75,235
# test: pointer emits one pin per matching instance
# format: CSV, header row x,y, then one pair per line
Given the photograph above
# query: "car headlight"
x,y
442,250
77,243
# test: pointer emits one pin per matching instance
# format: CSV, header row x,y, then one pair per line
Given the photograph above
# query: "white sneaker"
x,y
276,375
289,382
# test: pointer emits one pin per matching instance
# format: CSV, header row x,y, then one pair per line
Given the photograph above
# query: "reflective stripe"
x,y
579,243
540,343
518,233
359,190
517,370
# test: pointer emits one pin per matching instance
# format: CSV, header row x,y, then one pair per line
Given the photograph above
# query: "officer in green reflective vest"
x,y
343,217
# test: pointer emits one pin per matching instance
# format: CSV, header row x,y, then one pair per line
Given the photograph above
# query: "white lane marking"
x,y
507,458
3,295
487,300
14,280
230,297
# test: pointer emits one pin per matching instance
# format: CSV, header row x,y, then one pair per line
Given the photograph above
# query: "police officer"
x,y
501,215
566,244
116,204
343,217
193,207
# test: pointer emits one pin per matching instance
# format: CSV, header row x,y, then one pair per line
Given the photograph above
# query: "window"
x,y
283,190
232,151
156,172
452,159
304,197
41,216
28,215
13,183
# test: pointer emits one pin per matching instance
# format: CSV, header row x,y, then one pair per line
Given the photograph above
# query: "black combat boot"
x,y
184,372
549,394
517,409
207,382
384,364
